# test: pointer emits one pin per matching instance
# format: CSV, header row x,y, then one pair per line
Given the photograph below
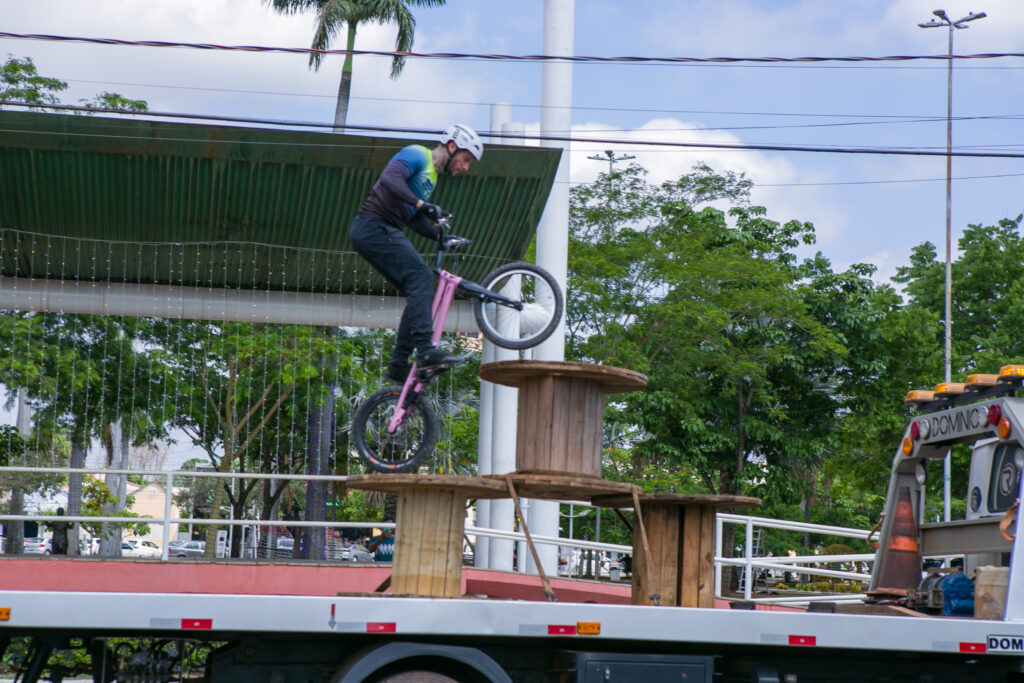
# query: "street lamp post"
x,y
612,159
944,20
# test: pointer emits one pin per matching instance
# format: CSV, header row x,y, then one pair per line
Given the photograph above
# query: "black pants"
x,y
392,254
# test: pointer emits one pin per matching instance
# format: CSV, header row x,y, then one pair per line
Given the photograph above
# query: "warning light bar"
x,y
943,389
978,381
919,396
1011,373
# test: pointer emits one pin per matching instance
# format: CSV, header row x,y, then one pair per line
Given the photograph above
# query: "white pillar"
x,y
501,113
553,232
524,560
503,435
516,128
481,554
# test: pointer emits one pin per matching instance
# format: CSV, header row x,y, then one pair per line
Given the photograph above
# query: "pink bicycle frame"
x,y
443,297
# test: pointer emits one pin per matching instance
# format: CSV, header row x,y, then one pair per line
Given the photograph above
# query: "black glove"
x,y
432,211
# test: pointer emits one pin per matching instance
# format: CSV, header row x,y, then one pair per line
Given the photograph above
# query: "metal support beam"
x,y
200,303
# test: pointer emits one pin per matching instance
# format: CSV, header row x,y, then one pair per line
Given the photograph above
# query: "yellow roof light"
x,y
979,381
1011,373
919,396
949,388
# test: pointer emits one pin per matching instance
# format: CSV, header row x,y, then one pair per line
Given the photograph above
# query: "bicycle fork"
x,y
414,386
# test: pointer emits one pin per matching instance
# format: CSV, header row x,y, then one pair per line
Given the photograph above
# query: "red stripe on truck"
x,y
195,624
561,630
976,648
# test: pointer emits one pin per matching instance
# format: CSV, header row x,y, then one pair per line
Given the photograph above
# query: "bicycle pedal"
x,y
427,374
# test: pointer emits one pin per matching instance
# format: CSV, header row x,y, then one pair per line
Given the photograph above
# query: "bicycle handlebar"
x,y
448,242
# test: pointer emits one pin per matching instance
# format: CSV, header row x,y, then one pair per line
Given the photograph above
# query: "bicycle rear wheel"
x,y
411,443
542,306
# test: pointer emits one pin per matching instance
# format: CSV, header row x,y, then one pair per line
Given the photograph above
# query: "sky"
x,y
865,208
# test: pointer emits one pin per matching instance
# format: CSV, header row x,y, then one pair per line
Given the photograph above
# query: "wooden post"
x,y
428,543
681,535
429,527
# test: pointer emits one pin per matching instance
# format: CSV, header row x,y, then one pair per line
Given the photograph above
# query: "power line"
x,y
334,96
896,181
890,119
890,182
502,57
431,132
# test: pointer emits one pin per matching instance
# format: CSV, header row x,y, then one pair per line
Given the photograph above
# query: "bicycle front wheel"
x,y
541,300
411,443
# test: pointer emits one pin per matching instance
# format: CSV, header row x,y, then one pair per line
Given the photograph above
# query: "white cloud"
x,y
666,163
204,77
811,27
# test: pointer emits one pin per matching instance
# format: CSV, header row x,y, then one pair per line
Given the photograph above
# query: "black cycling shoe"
x,y
436,359
397,373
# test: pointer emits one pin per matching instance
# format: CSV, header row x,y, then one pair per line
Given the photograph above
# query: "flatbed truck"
x,y
154,636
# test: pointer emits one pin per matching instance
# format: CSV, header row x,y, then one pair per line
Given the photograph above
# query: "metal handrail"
x,y
796,563
167,520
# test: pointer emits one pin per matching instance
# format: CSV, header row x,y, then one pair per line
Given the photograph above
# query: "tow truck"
x,y
896,635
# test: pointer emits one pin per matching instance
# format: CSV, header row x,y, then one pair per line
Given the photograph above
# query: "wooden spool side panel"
x,y
428,545
590,426
690,556
561,454
706,592
534,423
697,579
662,525
560,426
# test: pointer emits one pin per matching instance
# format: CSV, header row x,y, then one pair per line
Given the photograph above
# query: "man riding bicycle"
x,y
400,197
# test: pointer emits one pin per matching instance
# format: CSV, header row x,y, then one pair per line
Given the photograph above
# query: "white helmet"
x,y
465,138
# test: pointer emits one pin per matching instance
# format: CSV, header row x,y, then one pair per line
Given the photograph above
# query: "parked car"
x,y
37,546
129,550
140,548
355,552
188,549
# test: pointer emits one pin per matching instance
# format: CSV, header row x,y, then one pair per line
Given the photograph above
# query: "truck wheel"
x,y
418,677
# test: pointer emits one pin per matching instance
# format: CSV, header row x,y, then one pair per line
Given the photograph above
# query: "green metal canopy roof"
x,y
106,199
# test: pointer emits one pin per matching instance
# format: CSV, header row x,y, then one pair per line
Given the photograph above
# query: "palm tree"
x,y
333,14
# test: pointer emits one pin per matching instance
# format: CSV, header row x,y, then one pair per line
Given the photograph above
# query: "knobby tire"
x,y
487,325
402,451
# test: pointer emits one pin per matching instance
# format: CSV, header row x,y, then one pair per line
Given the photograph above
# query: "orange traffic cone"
x,y
899,564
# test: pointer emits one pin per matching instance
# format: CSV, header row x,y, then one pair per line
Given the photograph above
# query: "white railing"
x,y
797,563
749,562
168,519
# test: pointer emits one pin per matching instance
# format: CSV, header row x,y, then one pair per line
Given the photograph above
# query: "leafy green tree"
x,y
84,397
232,381
95,496
20,81
987,284
334,15
709,312
763,371
109,100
